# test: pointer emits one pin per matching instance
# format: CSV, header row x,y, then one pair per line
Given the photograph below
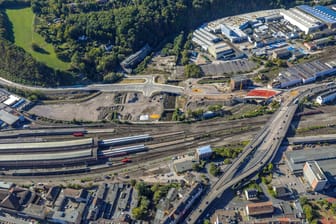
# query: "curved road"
x,y
256,155
148,88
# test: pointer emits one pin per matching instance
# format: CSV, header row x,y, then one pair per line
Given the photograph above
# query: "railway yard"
x,y
164,147
97,147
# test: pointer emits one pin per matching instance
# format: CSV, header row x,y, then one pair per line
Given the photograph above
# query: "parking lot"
x,y
228,67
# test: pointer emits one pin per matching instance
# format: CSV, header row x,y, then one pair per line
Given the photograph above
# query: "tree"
x,y
206,221
192,71
137,213
112,77
227,161
308,210
196,167
303,201
143,189
133,182
214,170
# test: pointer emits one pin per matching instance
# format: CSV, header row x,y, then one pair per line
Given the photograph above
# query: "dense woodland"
x,y
95,35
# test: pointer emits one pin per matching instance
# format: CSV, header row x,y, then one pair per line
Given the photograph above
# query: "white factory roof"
x,y
8,118
45,156
11,100
204,150
40,145
220,47
302,17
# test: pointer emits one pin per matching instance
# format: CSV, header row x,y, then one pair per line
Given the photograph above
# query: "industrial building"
x,y
326,97
133,60
323,42
314,175
204,38
251,194
282,53
219,50
303,21
303,74
204,152
260,208
322,13
240,82
8,119
234,34
11,100
225,216
325,158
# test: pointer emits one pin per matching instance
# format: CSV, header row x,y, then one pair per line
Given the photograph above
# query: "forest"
x,y
94,36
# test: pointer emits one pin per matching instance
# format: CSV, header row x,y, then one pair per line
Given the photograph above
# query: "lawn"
x,y
23,22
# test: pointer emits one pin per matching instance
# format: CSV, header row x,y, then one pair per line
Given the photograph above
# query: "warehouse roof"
x,y
296,159
40,145
8,118
11,100
45,156
320,12
301,17
204,150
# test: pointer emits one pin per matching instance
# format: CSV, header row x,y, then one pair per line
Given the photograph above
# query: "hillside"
x,y
80,31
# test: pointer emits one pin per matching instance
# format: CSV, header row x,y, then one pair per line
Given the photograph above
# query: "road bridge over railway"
x,y
261,150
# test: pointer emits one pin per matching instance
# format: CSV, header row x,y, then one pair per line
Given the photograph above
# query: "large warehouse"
x,y
204,38
303,74
234,34
47,154
325,158
322,13
303,21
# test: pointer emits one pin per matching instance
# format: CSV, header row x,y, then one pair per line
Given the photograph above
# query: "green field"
x,y
23,28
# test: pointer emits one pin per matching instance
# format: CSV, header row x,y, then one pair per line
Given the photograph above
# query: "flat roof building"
x,y
225,216
133,60
314,175
204,152
282,53
8,118
325,157
204,38
303,21
303,73
322,13
240,82
234,34
219,50
260,208
296,159
251,194
184,165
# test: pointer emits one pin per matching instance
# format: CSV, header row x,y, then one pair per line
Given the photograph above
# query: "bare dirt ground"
x,y
129,106
328,117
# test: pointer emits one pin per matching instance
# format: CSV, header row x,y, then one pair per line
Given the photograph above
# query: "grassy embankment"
x,y
24,34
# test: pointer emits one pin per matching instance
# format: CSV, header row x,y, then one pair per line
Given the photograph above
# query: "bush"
x,y
192,71
214,170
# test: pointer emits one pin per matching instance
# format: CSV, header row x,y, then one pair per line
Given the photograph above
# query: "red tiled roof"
x,y
262,93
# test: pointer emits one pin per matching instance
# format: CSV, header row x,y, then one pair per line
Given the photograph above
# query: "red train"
x,y
126,160
78,134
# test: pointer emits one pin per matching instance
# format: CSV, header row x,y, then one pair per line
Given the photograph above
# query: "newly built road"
x,y
148,88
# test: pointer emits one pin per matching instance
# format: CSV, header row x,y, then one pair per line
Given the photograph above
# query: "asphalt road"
x,y
148,88
258,153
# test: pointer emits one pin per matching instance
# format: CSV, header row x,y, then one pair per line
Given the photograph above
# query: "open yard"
x,y
23,28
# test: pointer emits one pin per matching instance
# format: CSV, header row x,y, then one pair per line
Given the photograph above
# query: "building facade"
x,y
314,176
